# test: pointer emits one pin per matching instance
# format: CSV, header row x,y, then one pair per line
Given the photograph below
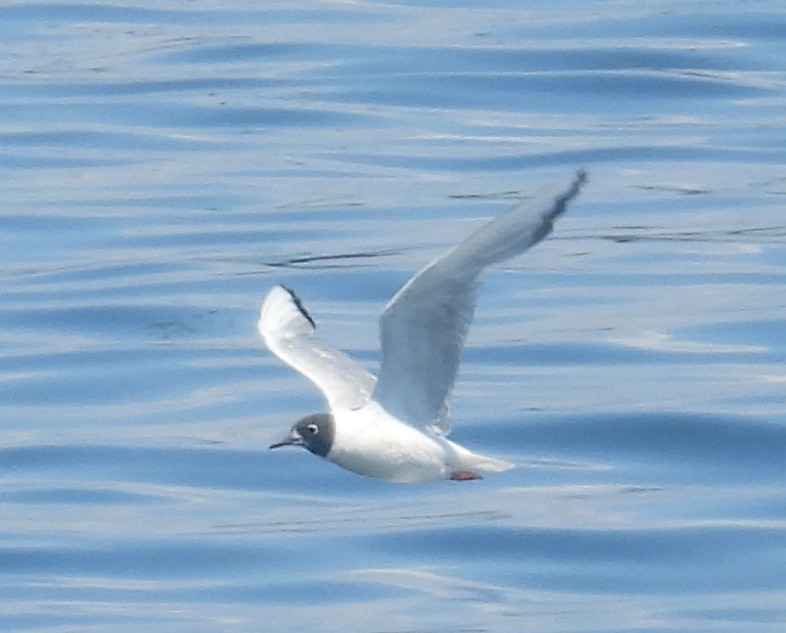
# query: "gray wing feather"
x,y
290,333
424,325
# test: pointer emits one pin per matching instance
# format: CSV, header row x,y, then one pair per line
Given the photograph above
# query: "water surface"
x,y
164,164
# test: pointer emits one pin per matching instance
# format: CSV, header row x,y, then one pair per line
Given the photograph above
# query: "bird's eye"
x,y
313,429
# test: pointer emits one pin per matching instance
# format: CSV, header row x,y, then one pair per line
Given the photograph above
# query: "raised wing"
x,y
290,333
425,324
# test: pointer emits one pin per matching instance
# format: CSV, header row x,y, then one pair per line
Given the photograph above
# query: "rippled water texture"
x,y
165,163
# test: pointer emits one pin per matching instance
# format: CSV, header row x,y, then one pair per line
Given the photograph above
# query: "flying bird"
x,y
395,426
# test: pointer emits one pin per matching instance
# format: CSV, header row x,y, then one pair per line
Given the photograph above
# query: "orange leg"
x,y
464,475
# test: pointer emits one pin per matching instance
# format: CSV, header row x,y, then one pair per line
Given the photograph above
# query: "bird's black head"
x,y
315,432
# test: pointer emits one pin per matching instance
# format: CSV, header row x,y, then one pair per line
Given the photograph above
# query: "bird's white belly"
x,y
371,442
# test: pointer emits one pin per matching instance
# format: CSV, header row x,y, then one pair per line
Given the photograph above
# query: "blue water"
x,y
165,163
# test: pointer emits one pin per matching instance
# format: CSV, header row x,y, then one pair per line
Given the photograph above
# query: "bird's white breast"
x,y
371,442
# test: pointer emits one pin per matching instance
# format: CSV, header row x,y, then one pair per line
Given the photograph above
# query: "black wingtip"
x,y
299,305
561,203
578,182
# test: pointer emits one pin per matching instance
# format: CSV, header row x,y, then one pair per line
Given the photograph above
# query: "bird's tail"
x,y
466,459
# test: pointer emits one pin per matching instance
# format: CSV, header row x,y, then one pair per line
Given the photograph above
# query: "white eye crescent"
x,y
313,429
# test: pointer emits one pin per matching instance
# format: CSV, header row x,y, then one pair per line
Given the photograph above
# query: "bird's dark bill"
x,y
293,439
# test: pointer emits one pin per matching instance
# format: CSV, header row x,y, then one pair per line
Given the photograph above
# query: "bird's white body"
x,y
369,441
395,427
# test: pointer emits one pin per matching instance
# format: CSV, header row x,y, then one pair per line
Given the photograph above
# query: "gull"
x,y
395,427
